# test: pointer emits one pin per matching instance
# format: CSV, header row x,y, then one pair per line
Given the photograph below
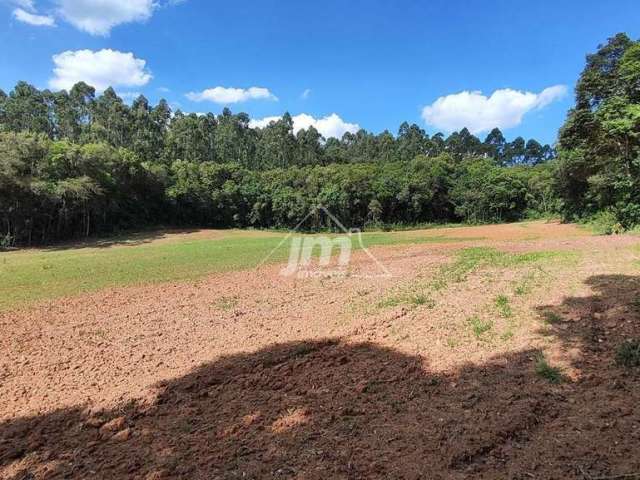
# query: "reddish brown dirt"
x,y
249,375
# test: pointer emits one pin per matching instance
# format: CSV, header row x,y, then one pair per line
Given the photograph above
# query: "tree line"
x,y
75,164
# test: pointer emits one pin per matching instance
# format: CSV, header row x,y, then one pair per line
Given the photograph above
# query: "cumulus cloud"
x,y
503,108
329,126
99,69
33,18
98,17
225,96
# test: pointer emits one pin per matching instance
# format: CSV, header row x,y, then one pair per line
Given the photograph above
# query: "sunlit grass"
x,y
469,260
32,275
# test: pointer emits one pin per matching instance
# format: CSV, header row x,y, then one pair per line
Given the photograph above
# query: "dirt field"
x,y
491,358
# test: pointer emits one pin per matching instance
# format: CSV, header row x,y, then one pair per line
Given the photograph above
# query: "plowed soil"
x,y
424,374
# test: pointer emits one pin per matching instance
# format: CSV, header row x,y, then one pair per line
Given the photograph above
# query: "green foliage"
x,y
605,222
479,326
410,298
6,241
31,275
628,354
546,371
470,259
551,318
75,164
503,306
598,167
485,192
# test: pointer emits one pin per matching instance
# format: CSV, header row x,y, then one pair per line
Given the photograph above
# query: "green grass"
x,y
32,275
479,326
628,354
468,260
526,284
546,371
471,259
551,318
507,335
412,299
503,306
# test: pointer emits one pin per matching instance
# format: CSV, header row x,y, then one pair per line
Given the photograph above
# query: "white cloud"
x,y
503,109
329,126
25,4
98,17
226,96
99,69
33,18
305,94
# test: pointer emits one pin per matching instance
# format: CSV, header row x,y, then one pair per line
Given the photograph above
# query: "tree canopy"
x,y
599,144
73,163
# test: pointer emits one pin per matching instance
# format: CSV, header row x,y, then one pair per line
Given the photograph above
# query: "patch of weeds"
x,y
467,261
479,326
507,335
100,333
605,223
452,342
546,371
227,303
470,259
551,318
393,301
414,299
502,304
628,354
525,285
421,299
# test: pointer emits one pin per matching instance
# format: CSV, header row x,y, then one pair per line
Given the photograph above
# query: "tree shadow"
x,y
128,239
331,409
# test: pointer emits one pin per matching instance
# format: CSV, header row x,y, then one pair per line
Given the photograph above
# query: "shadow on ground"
x,y
320,410
131,239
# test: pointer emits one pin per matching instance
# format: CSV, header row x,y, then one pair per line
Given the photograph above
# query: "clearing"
x,y
499,351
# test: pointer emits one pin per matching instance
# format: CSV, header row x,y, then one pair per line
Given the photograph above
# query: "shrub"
x,y
605,222
628,354
6,241
546,371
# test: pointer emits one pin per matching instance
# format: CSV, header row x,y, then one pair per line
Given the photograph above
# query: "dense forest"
x,y
75,163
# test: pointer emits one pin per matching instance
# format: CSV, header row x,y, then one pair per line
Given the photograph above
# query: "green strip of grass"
x,y
471,259
29,276
468,260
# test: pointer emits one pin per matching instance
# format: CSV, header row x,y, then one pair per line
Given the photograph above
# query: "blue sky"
x,y
373,63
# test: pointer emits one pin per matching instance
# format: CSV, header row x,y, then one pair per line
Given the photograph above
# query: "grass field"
x,y
32,275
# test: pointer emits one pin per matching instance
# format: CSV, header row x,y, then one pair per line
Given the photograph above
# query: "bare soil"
x,y
252,375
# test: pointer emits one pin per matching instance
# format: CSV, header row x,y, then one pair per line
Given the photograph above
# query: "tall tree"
x,y
599,145
28,109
